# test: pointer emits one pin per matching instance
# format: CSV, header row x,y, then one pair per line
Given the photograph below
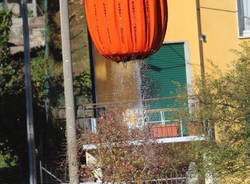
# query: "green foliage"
x,y
39,78
83,85
50,86
5,23
119,160
13,143
222,107
9,68
6,161
11,76
12,98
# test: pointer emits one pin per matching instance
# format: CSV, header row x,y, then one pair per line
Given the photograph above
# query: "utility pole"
x,y
34,8
5,4
28,95
68,92
202,64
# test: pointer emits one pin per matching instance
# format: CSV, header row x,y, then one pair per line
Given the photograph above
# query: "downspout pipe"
x,y
210,176
92,69
211,131
91,58
202,64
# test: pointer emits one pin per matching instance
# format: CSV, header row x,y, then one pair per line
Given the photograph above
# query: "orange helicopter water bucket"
x,y
124,30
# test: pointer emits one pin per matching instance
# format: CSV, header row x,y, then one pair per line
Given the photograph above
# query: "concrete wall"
x,y
14,7
36,29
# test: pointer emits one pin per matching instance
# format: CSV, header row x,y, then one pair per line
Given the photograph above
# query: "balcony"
x,y
157,114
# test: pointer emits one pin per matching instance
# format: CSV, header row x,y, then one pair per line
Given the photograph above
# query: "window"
x,y
244,17
162,71
161,74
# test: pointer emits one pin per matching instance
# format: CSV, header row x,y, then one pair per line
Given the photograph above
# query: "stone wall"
x,y
14,7
36,30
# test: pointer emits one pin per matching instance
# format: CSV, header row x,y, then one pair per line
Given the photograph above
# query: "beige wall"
x,y
219,23
220,26
114,81
183,26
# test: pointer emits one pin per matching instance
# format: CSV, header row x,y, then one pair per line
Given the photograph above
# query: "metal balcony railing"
x,y
158,114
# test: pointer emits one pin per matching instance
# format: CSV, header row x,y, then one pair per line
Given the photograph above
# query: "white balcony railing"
x,y
163,126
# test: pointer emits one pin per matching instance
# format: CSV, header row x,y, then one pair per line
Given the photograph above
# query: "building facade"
x,y
199,32
208,31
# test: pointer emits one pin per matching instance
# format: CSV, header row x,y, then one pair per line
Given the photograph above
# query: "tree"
x,y
221,104
223,107
13,143
127,155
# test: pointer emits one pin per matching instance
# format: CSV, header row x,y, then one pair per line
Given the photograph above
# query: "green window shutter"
x,y
160,75
162,72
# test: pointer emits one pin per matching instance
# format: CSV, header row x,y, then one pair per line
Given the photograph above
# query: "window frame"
x,y
242,33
